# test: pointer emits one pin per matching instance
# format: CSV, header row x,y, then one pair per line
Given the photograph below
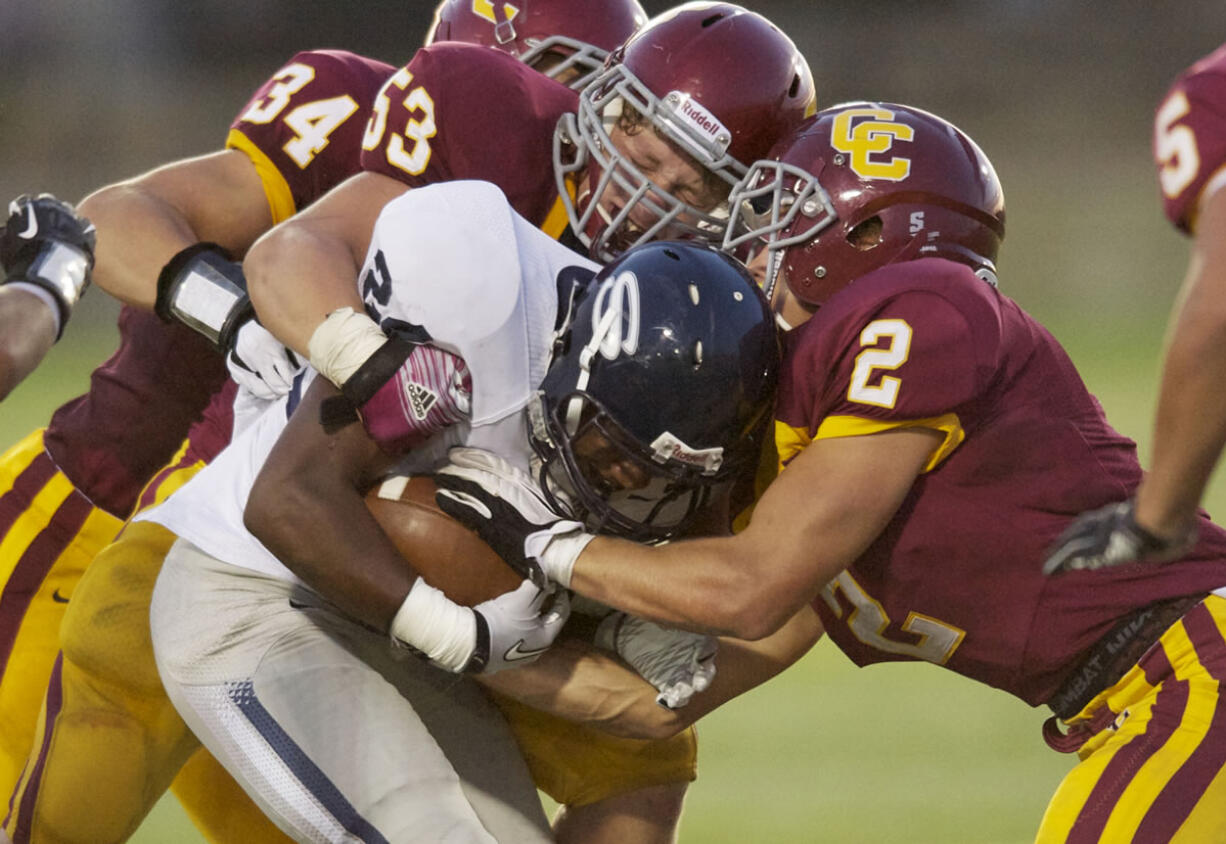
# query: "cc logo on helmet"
x,y
485,9
865,135
615,316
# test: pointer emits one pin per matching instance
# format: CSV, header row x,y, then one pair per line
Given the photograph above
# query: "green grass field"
x,y
826,752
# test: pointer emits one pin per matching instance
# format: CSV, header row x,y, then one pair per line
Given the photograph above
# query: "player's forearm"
x,y
575,681
27,333
743,665
325,535
138,232
1190,425
306,508
693,584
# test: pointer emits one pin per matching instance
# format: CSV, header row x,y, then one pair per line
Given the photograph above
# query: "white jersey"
x,y
457,260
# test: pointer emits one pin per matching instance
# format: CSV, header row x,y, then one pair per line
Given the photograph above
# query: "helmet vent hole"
x,y
670,253
795,87
693,293
866,235
712,19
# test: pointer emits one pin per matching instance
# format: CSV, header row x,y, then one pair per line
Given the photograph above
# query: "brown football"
x,y
446,554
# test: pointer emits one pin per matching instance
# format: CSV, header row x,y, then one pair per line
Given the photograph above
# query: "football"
x,y
444,552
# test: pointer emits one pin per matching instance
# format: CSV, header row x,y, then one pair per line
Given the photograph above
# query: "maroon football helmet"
x,y
566,40
720,82
858,166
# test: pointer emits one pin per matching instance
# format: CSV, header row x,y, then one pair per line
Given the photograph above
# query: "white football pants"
x,y
336,734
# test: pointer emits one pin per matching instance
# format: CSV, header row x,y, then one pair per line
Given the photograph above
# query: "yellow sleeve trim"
x,y
855,426
556,221
276,189
791,441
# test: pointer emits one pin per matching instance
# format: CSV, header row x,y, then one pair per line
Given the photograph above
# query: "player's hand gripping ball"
x,y
446,554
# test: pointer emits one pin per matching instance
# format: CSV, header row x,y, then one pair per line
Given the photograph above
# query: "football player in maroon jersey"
x,y
650,149
1159,522
933,440
104,446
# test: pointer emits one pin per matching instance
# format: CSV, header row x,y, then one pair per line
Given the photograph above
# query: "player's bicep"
x,y
832,501
307,267
219,196
312,460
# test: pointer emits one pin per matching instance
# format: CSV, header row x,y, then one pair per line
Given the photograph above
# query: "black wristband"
x,y
214,277
481,648
335,412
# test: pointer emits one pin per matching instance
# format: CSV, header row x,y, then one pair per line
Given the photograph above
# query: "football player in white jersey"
x,y
635,394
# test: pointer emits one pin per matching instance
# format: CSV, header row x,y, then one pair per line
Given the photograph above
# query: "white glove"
x,y
518,627
260,363
505,632
506,509
678,663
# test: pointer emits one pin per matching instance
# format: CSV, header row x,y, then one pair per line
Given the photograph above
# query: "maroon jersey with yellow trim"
x,y
1190,137
463,111
305,138
309,118
955,578
303,130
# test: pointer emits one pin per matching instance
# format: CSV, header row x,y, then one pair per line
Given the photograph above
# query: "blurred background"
x,y
1059,95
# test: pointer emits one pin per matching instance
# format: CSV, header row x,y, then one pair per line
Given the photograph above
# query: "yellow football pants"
x,y
1156,770
106,711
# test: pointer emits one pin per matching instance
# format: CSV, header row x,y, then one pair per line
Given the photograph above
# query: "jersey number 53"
x,y
408,150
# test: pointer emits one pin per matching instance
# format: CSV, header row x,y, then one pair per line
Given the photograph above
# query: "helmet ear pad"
x,y
910,227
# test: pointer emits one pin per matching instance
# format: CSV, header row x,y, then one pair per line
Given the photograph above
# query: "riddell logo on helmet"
x,y
701,118
693,114
669,446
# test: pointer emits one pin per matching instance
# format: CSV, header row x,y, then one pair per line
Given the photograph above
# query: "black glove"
x,y
1110,536
506,509
44,242
496,521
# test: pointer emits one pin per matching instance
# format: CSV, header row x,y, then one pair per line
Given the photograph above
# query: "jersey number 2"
x,y
868,621
885,392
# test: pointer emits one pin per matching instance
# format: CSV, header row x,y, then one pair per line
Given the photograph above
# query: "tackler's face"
x,y
638,184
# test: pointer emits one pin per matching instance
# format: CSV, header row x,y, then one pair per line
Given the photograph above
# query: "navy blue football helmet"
x,y
660,390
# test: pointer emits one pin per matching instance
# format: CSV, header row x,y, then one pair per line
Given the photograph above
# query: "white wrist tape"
x,y
342,343
41,293
437,626
558,557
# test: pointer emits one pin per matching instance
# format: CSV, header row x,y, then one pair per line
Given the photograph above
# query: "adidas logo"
x,y
421,400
